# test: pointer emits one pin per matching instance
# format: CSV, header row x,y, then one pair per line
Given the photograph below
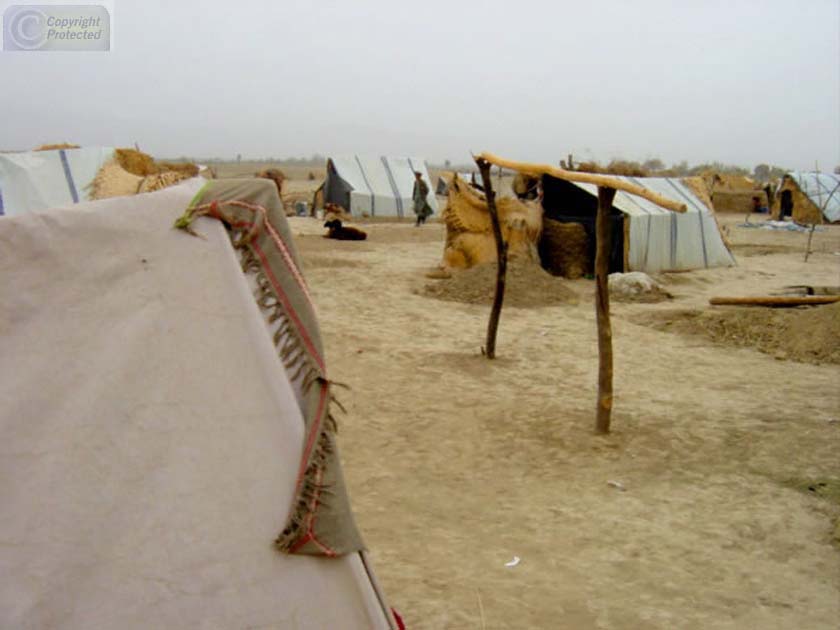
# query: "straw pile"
x,y
564,249
135,162
161,180
139,163
469,230
56,147
698,186
113,180
187,169
805,335
527,285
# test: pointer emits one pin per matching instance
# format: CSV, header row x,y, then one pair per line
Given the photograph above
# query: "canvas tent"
x,y
809,197
154,443
645,237
37,180
375,186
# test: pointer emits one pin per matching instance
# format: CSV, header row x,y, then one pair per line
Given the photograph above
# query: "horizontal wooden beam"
x,y
607,181
803,300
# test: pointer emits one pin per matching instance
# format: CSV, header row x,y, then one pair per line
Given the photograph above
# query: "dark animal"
x,y
342,233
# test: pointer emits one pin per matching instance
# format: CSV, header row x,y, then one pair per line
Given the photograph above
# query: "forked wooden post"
x,y
603,234
810,237
501,255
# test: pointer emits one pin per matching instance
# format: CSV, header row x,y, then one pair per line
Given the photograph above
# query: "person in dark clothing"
x,y
421,205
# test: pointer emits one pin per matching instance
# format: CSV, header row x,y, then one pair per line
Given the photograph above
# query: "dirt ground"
x,y
702,509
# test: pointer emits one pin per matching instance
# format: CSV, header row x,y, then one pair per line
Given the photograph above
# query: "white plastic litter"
x,y
513,562
616,484
633,284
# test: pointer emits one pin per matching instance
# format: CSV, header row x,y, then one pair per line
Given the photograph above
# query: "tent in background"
x,y
645,237
735,193
375,186
37,180
809,197
154,442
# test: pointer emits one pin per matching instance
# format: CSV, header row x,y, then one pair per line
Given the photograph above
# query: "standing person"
x,y
421,206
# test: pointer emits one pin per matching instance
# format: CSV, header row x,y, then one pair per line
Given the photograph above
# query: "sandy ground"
x,y
457,464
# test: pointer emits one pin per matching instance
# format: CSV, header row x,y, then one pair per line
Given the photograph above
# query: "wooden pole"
x,y
603,233
810,236
607,181
501,262
772,300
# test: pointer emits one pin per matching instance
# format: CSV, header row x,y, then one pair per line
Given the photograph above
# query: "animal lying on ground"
x,y
342,233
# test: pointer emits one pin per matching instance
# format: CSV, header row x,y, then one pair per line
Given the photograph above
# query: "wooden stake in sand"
x,y
810,237
603,233
501,262
803,300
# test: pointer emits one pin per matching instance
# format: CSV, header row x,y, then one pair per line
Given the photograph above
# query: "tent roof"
x,y
661,240
823,189
639,206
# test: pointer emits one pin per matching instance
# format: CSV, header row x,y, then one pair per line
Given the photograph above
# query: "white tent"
x,y
37,180
376,186
150,436
656,239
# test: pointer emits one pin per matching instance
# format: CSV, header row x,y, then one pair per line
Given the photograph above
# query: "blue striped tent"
x,y
375,186
37,180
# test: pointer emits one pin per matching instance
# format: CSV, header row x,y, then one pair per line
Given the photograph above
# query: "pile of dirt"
x,y
527,285
805,334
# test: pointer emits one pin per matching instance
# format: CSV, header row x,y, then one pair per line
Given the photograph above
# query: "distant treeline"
x,y
313,161
655,167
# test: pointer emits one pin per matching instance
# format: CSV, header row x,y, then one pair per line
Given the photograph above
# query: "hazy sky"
x,y
736,81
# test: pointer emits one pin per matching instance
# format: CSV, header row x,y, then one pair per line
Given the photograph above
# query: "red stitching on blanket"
x,y
289,310
310,525
314,431
213,211
278,241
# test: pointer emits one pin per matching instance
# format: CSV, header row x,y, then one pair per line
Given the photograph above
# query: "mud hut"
x,y
809,198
